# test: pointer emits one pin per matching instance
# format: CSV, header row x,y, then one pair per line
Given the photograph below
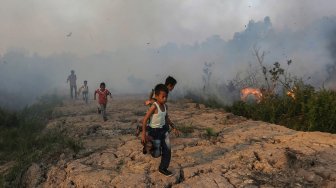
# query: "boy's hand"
x,y
143,138
148,102
176,132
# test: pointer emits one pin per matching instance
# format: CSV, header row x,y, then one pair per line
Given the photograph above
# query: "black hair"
x,y
85,81
170,81
160,87
102,84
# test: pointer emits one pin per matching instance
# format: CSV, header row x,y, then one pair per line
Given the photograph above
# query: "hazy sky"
x,y
42,26
134,44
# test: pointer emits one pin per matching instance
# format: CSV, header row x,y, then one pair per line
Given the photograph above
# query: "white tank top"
x,y
85,89
158,120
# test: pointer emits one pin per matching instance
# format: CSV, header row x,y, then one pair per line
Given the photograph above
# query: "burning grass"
x,y
256,92
304,109
279,97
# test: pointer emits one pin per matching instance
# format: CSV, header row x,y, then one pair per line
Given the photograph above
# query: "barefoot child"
x,y
85,91
158,129
102,99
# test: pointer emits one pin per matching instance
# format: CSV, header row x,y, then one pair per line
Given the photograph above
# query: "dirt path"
x,y
216,149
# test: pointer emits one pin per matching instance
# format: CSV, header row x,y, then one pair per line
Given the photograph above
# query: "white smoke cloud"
x,y
133,45
42,26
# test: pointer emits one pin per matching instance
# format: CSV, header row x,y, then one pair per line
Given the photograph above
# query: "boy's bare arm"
x,y
80,89
94,95
170,123
149,102
150,99
144,122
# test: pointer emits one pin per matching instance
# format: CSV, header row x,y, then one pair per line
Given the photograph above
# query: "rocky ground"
x,y
215,149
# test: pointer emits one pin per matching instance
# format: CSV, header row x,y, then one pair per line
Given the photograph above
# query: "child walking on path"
x,y
85,91
158,129
102,99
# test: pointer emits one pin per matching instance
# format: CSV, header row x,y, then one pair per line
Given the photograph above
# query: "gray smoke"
x,y
331,68
25,76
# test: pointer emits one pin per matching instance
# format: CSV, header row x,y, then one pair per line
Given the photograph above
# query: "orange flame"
x,y
251,91
290,93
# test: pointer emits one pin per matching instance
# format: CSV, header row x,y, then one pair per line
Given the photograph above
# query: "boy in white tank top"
x,y
170,84
157,129
84,89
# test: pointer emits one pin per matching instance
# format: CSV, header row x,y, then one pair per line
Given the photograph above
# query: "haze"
x,y
132,45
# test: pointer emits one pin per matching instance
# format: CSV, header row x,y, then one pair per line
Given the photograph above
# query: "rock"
x,y
206,180
323,172
312,177
33,176
309,176
62,156
333,176
245,154
197,106
329,184
263,166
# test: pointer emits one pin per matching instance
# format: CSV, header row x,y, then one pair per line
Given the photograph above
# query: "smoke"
x,y
331,68
25,75
42,26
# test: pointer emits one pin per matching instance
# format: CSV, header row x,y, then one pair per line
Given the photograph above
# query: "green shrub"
x,y
2,181
212,102
310,110
321,113
208,100
47,145
210,132
23,139
185,129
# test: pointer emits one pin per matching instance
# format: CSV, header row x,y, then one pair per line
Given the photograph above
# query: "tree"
x,y
207,72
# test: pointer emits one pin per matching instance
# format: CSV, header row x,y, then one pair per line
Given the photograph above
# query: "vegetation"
x,y
186,129
310,110
210,132
286,99
24,140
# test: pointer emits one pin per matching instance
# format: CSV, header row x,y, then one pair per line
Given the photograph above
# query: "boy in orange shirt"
x,y
102,99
